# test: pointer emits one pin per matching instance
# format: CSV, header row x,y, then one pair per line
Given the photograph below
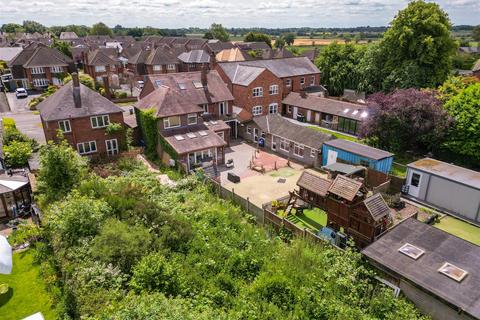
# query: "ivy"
x,y
147,122
113,128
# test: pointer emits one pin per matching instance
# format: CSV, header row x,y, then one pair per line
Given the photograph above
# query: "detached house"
x,y
82,115
101,63
162,60
38,66
194,60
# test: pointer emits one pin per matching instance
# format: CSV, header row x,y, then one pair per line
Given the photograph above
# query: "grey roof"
x,y
359,149
101,57
162,55
448,171
11,183
218,46
60,105
195,56
39,55
207,140
68,35
276,125
8,53
377,206
327,105
346,169
439,247
260,45
243,75
282,68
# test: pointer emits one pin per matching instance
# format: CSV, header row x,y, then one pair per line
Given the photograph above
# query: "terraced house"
x,y
38,66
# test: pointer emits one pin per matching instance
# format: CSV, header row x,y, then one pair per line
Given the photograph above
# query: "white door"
x,y
295,113
414,181
255,134
112,146
331,157
309,116
317,117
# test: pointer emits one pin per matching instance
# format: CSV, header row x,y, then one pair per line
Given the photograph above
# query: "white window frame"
x,y
289,109
100,68
257,92
114,150
249,130
64,126
302,81
92,145
273,89
166,122
205,108
296,150
191,116
288,82
171,67
40,82
157,67
273,106
257,110
38,70
94,121
274,144
284,145
222,108
192,65
56,69
312,80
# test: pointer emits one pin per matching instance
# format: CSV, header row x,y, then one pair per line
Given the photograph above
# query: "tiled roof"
x,y
139,57
261,45
8,53
326,105
229,55
39,55
359,149
201,138
61,105
314,183
218,46
161,55
377,206
345,188
277,125
194,56
100,57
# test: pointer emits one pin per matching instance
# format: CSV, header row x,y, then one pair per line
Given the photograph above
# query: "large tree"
x,y
100,29
217,31
12,28
289,38
418,47
62,46
258,37
33,26
338,64
476,33
406,120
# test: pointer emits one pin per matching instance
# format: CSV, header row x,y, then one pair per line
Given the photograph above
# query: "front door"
x,y
255,134
414,182
295,112
331,157
317,117
309,116
112,146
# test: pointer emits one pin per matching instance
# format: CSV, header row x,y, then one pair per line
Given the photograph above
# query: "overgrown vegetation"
x,y
126,247
17,147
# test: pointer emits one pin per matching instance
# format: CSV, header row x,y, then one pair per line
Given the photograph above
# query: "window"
x,y
171,67
157,67
192,65
273,108
57,81
222,107
302,80
289,109
99,68
312,80
411,251
415,181
192,118
313,153
249,130
64,125
87,147
40,82
182,86
298,150
452,271
99,79
284,145
56,69
257,110
288,82
273,89
112,146
205,108
274,144
100,121
38,70
171,122
258,92
197,84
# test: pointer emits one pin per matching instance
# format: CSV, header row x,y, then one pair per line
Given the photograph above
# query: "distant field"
x,y
319,42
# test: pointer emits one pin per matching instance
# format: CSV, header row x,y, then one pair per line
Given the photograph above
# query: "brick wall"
x,y
296,85
82,131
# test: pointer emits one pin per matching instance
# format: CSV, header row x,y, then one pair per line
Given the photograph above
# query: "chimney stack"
x,y
303,94
106,85
204,76
76,90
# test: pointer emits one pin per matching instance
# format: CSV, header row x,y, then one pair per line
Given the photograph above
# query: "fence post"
x,y
248,205
233,195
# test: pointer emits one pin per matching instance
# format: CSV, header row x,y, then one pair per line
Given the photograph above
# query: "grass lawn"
x,y
460,229
27,294
335,134
313,219
283,172
124,104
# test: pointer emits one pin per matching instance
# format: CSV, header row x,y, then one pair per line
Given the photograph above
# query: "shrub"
x,y
9,123
17,153
113,128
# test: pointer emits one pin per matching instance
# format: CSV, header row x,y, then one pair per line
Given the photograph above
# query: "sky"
x,y
231,13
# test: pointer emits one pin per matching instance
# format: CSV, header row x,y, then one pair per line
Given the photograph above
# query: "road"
x,y
3,103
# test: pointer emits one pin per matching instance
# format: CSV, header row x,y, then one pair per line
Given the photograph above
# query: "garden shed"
x,y
339,150
445,186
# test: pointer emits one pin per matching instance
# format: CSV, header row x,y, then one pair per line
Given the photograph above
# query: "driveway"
x,y
4,103
20,105
28,123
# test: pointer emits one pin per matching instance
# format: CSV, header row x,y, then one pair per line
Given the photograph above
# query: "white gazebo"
x,y
5,256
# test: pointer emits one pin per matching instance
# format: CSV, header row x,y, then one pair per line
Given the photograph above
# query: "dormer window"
x,y
171,122
157,67
100,69
192,118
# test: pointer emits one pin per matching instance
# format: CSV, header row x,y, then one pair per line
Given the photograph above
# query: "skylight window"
x,y
346,110
202,133
191,135
355,112
197,84
453,271
411,251
213,122
182,86
179,137
364,114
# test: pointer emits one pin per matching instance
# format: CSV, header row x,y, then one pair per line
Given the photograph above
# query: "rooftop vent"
x,y
191,135
411,251
182,86
179,137
197,84
453,272
202,133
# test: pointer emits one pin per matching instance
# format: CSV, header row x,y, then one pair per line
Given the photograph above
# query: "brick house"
x,y
194,60
82,115
277,77
162,60
191,142
38,66
204,88
290,140
326,112
103,62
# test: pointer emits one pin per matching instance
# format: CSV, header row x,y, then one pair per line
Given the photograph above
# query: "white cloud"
x,y
231,13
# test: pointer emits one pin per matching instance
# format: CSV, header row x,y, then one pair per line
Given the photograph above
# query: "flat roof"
x,y
448,171
439,247
359,149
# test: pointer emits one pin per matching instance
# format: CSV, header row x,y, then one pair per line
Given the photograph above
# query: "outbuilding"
x,y
339,150
445,186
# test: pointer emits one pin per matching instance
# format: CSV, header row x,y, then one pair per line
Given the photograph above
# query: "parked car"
x,y
140,84
21,93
